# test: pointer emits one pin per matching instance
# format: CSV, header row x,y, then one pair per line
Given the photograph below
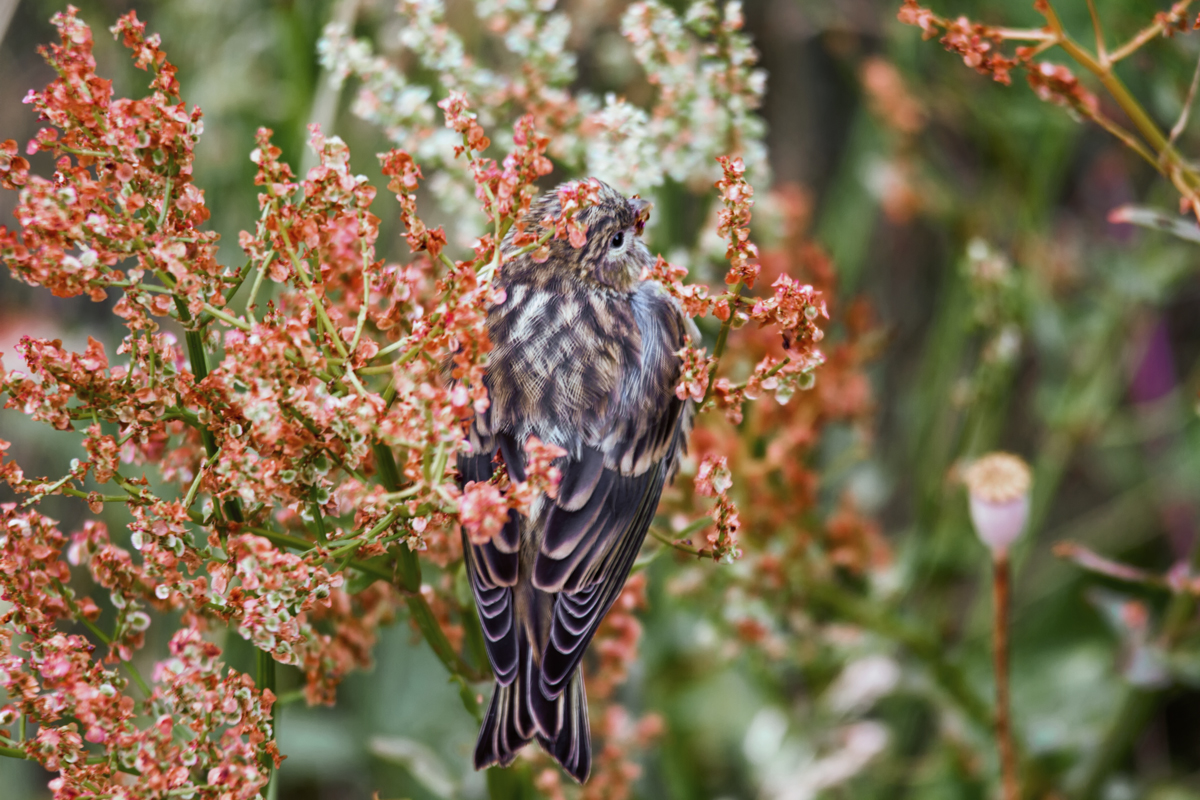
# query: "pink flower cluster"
x,y
507,192
302,446
1174,19
74,697
405,175
978,45
733,222
573,197
123,182
694,373
485,505
1057,84
792,310
713,479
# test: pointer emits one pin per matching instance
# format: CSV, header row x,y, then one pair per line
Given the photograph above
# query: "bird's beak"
x,y
641,212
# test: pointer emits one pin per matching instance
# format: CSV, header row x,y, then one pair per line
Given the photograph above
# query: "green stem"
x,y
926,647
389,396
199,362
1145,35
680,546
357,541
378,369
719,349
166,207
266,681
423,615
473,634
225,316
242,275
319,522
318,305
296,543
1132,108
366,300
389,476
251,301
191,493
412,352
48,490
385,465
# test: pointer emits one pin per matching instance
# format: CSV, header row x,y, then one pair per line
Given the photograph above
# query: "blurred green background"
x,y
1012,315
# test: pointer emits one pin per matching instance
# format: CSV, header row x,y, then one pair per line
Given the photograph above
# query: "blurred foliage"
x,y
1012,314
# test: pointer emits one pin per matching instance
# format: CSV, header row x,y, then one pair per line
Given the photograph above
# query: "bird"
x,y
585,357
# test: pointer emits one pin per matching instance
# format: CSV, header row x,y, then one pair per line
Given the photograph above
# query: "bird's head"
x,y
613,254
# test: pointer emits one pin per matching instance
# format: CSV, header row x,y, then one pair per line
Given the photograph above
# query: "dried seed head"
x,y
998,478
998,485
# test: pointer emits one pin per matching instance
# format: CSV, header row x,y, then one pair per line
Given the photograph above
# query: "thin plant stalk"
x,y
1001,584
265,663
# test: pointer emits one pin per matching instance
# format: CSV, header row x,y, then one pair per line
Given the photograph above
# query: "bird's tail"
x,y
572,747
521,711
508,725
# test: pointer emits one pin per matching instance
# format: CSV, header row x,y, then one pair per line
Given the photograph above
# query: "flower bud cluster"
x,y
76,696
303,446
713,479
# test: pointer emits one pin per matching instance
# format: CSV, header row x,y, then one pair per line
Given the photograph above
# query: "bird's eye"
x,y
618,240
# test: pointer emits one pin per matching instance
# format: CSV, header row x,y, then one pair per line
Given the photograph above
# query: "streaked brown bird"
x,y
584,358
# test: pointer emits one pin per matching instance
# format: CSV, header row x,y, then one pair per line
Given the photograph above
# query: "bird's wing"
x,y
492,567
608,495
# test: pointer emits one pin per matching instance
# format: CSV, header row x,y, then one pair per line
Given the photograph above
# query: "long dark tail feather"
x,y
500,737
508,725
547,712
573,746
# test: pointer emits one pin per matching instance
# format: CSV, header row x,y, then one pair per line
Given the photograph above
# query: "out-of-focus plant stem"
x,y
922,644
1171,164
1152,31
323,112
512,783
1164,158
1048,470
1138,704
1063,437
1000,602
7,7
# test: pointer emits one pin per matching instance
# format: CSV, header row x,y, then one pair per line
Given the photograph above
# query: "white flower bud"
x,y
998,485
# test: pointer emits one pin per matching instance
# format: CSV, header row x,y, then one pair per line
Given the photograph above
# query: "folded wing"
x,y
608,496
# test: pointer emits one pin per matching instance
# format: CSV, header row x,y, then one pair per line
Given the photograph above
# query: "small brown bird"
x,y
584,358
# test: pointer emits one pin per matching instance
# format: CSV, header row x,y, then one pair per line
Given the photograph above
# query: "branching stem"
x,y
719,348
